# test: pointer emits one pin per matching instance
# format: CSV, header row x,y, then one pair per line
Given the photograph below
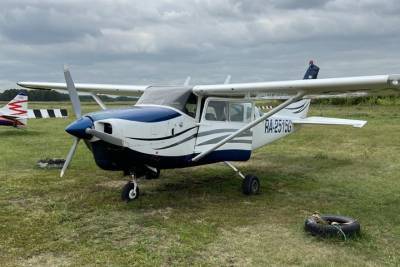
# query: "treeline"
x,y
360,100
51,95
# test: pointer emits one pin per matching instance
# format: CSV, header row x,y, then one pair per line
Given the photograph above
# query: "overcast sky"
x,y
145,42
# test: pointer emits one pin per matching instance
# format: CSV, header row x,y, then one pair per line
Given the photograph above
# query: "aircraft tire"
x,y
251,185
129,193
336,225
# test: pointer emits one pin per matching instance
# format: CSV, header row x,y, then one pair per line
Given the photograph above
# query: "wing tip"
x,y
360,124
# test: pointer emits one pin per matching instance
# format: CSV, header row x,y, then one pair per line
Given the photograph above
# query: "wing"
x,y
297,89
372,84
108,89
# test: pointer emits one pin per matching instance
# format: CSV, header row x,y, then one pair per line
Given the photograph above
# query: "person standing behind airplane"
x,y
312,71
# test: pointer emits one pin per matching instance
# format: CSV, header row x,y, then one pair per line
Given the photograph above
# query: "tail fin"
x,y
300,108
18,107
17,110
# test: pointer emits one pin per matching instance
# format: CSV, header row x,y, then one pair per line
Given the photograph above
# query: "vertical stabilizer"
x,y
16,111
300,108
18,107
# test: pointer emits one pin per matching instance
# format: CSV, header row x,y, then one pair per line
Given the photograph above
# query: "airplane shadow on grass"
x,y
275,176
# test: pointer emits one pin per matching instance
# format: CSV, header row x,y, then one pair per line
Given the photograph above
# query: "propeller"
x,y
82,127
76,106
70,156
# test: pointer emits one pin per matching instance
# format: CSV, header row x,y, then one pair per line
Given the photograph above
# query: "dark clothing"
x,y
312,72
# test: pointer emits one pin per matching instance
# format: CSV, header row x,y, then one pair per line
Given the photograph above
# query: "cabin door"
x,y
219,119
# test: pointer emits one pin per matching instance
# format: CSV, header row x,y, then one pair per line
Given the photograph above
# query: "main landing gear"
x,y
130,191
250,184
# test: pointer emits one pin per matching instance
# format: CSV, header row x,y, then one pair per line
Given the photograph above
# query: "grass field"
x,y
199,216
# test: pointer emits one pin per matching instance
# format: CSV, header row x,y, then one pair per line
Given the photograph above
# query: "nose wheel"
x,y
130,191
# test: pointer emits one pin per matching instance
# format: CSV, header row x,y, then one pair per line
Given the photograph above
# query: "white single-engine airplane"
x,y
16,112
184,126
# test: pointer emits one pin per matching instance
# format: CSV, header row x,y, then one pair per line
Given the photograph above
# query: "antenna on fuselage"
x,y
227,79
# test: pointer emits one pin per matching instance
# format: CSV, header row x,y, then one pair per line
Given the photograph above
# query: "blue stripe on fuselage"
x,y
110,157
136,113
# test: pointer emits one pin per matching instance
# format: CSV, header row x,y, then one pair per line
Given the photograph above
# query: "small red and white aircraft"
x,y
16,112
184,126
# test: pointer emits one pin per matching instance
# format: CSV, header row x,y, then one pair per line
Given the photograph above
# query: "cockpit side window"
x,y
228,110
216,111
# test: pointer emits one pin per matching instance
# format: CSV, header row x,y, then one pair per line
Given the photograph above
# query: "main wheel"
x,y
251,185
130,192
150,175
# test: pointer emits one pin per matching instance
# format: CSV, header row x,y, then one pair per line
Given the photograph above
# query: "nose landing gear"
x,y
131,190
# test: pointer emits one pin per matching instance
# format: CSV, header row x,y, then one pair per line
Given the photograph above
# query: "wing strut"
x,y
295,98
99,101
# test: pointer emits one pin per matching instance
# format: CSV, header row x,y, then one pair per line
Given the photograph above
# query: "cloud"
x,y
164,41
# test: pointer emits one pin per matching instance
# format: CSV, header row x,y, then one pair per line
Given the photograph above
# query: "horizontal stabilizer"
x,y
330,121
47,113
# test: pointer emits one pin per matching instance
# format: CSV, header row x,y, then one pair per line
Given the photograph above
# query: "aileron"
x,y
111,89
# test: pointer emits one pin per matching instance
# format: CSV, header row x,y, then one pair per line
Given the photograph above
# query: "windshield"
x,y
176,97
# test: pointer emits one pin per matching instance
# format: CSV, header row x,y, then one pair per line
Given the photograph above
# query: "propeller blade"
x,y
70,155
105,137
73,95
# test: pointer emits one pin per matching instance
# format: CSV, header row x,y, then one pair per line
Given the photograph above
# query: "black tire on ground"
x,y
250,185
348,225
152,175
129,193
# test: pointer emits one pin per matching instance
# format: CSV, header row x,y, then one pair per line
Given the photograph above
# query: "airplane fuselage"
x,y
164,137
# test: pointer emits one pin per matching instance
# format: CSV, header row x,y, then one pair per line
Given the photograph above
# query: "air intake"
x,y
108,128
